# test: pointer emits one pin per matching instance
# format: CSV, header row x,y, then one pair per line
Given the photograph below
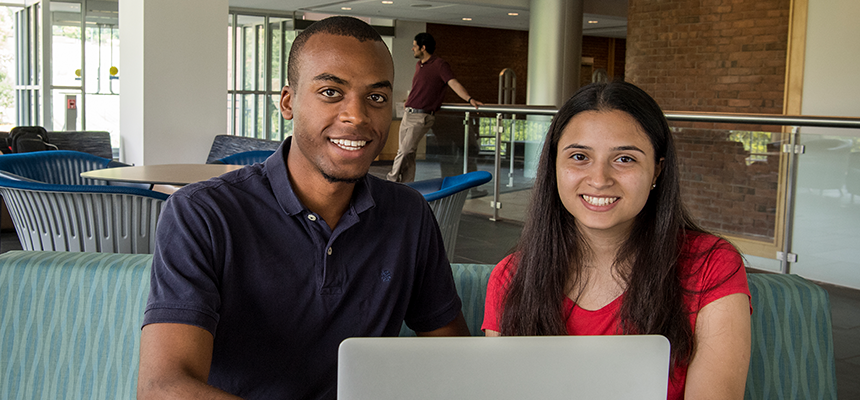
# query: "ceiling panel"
x,y
483,13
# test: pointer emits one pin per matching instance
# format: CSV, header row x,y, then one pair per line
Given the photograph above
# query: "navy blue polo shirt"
x,y
241,257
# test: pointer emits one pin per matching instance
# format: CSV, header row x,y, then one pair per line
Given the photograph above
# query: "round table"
x,y
162,174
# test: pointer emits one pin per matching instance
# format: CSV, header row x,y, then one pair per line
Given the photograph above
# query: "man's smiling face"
x,y
340,107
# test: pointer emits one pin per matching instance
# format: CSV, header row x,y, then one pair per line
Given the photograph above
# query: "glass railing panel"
x,y
827,208
519,147
730,180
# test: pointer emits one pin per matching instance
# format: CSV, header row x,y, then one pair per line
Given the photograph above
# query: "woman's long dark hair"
x,y
551,250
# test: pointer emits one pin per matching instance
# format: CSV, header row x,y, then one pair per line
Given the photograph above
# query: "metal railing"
x,y
792,148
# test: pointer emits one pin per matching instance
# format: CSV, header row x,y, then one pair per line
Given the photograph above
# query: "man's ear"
x,y
286,103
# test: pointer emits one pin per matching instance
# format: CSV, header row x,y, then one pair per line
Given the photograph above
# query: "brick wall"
x,y
709,55
478,55
601,49
719,56
722,191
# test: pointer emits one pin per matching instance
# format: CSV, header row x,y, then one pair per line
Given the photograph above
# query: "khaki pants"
x,y
413,127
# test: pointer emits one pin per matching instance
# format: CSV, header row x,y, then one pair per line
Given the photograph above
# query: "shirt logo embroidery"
x,y
385,275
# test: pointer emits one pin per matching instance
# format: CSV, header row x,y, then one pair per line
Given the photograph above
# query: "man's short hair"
x,y
426,40
341,26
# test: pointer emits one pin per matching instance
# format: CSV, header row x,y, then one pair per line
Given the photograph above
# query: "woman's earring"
x,y
653,186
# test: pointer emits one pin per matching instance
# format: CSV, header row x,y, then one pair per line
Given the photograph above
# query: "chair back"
x,y
60,167
96,143
50,214
246,157
225,145
447,196
71,324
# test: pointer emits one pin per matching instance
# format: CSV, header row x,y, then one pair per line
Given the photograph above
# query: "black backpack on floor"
x,y
24,139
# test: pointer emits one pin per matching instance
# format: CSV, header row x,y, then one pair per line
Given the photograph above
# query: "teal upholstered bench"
x,y
70,327
70,324
792,340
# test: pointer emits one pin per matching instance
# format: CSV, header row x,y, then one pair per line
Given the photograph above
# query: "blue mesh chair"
x,y
225,145
61,167
246,157
54,208
447,197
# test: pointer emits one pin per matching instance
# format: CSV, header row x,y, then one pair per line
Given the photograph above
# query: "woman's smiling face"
x,y
605,169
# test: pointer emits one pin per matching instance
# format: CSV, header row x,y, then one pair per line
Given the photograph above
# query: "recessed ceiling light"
x,y
387,2
346,8
513,14
592,22
466,19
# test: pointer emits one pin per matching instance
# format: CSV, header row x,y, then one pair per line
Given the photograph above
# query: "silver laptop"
x,y
477,368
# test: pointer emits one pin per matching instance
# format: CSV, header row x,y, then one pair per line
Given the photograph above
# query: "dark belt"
x,y
419,111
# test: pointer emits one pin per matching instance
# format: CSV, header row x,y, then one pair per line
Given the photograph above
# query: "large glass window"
x,y
258,49
28,65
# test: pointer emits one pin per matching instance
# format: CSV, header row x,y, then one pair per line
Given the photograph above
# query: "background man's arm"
x,y
457,327
461,91
174,363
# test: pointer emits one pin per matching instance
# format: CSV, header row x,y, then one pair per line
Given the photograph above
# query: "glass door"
x,y
84,67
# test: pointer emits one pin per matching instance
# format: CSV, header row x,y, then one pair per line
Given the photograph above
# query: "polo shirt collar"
x,y
275,171
429,60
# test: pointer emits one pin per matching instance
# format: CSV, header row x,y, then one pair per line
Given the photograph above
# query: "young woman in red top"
x,y
608,248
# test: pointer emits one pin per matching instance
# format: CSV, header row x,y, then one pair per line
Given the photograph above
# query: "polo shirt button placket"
x,y
312,217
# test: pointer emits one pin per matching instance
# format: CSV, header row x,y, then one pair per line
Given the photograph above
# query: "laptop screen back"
x,y
476,368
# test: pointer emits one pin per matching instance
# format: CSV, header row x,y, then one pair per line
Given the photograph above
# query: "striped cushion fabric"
x,y
792,340
70,324
471,281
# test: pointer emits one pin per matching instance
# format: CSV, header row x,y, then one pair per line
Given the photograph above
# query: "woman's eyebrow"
x,y
628,148
617,148
576,146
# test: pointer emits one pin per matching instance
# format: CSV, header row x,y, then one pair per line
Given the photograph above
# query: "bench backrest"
x,y
70,327
70,324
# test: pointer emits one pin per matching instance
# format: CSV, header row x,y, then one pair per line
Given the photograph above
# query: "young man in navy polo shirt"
x,y
432,76
258,275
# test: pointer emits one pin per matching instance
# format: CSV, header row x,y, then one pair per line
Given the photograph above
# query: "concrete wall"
x,y
831,79
174,95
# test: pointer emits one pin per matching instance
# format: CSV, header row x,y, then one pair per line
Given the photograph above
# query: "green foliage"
x,y
755,142
523,131
73,32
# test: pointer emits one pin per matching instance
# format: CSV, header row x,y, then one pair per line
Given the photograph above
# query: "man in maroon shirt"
x,y
432,76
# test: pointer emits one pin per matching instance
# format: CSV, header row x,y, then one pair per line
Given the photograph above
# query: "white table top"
x,y
163,174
